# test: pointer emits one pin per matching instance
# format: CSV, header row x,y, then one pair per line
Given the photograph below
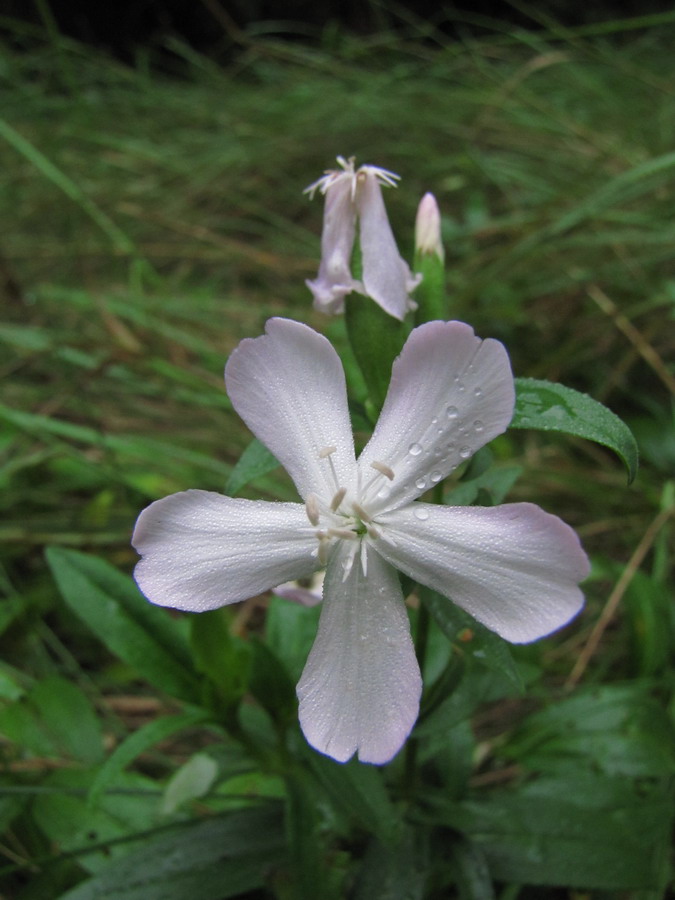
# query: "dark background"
x,y
217,27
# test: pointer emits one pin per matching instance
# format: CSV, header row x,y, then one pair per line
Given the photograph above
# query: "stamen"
x,y
326,452
337,499
383,469
373,532
361,513
323,552
312,508
344,533
364,559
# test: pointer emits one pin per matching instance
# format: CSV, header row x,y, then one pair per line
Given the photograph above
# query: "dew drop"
x,y
452,412
465,452
434,421
435,476
421,484
478,426
422,514
414,449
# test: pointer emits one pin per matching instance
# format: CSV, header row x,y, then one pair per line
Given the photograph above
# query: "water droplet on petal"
x,y
421,514
421,484
465,452
478,392
435,476
414,449
452,412
434,420
478,426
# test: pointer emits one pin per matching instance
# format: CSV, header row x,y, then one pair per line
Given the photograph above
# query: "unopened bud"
x,y
428,228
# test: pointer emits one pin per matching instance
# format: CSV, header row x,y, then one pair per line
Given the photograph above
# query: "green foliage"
x,y
554,407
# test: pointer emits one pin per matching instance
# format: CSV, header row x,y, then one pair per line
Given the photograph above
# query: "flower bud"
x,y
428,228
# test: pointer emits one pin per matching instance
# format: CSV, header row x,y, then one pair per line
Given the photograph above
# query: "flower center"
x,y
345,518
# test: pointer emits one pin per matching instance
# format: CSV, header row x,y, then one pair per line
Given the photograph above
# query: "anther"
x,y
383,469
326,452
312,508
344,533
373,532
361,513
337,499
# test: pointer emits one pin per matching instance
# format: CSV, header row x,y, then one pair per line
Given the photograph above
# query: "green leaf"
x,y
63,814
271,685
547,406
142,635
194,779
620,727
211,860
136,743
255,461
358,792
376,339
476,641
394,872
577,830
224,658
54,719
290,631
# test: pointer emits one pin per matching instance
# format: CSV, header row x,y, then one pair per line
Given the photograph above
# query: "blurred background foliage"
x,y
151,219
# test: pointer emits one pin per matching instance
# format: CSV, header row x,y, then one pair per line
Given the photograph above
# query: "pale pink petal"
x,y
450,393
201,550
386,276
361,686
289,388
306,592
515,568
337,241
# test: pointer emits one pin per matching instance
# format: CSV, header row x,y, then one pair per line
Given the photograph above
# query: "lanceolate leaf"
x,y
547,406
256,460
142,635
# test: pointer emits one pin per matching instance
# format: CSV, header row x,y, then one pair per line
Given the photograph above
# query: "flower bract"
x,y
515,568
354,196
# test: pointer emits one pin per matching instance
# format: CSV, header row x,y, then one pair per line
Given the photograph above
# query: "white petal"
x,y
361,685
450,393
386,276
337,240
289,388
515,568
202,550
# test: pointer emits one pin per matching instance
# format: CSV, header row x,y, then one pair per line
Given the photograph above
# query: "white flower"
x,y
352,194
514,567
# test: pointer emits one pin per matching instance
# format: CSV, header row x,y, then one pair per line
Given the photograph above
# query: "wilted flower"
x,y
428,227
514,567
353,195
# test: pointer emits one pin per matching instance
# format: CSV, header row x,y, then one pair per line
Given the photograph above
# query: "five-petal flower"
x,y
514,567
353,195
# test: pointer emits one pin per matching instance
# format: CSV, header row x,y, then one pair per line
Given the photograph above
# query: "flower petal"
x,y
515,568
450,393
289,388
386,276
337,240
361,685
202,550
